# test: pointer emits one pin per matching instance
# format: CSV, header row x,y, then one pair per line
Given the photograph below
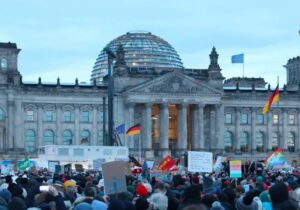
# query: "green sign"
x,y
23,164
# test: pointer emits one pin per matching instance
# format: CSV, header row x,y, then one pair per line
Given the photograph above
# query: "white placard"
x,y
200,161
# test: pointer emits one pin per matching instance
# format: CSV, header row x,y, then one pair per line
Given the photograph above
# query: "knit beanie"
x,y
141,190
259,179
216,206
278,193
264,196
246,202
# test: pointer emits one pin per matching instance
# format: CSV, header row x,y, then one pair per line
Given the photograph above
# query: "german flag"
x,y
136,129
274,98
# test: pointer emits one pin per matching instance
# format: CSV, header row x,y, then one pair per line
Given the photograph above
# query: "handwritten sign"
x,y
200,161
114,176
235,169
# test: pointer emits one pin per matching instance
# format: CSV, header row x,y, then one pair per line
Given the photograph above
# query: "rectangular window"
x,y
244,118
48,116
260,119
67,116
85,116
292,119
29,115
228,118
275,119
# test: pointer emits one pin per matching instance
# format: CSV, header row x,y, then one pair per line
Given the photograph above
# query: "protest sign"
x,y
235,169
68,168
150,164
79,167
52,165
200,161
6,167
97,164
114,176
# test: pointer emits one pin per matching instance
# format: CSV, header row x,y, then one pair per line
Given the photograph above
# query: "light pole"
x,y
110,57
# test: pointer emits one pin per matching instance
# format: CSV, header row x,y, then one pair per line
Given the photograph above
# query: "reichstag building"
x,y
178,108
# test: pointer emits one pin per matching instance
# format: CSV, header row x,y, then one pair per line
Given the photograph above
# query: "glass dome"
x,y
142,50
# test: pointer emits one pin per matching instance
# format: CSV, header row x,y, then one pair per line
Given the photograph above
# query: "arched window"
x,y
85,137
244,142
259,142
275,141
30,139
2,115
67,137
48,137
228,146
3,64
291,142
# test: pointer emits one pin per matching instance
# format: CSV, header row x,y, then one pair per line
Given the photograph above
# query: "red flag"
x,y
166,163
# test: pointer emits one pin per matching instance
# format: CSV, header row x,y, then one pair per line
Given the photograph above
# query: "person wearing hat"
x,y
69,192
280,197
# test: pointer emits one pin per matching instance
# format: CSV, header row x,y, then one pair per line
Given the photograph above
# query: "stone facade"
x,y
208,116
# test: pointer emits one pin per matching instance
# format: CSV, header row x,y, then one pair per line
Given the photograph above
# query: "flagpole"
x,y
140,149
243,66
278,127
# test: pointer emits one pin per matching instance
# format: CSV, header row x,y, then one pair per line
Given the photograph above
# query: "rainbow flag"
x,y
275,160
136,129
235,169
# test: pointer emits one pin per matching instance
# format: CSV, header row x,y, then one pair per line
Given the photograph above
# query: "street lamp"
x,y
110,57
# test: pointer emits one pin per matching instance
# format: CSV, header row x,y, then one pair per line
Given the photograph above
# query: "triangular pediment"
x,y
174,82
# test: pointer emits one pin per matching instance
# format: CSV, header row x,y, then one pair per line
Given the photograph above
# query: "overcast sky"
x,y
62,38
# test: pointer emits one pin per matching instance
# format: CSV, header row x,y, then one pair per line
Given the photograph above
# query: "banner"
x,y
166,163
160,176
235,169
23,164
200,161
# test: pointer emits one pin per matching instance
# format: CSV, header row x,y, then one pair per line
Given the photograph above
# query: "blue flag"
x,y
237,58
120,129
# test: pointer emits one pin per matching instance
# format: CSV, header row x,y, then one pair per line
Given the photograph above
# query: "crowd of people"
x,y
257,190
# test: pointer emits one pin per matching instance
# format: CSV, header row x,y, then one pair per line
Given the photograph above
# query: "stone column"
x,y
182,128
11,112
76,130
237,129
284,138
269,131
297,143
146,131
198,127
211,145
219,127
95,129
163,130
58,125
40,128
1,138
18,122
129,140
253,130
